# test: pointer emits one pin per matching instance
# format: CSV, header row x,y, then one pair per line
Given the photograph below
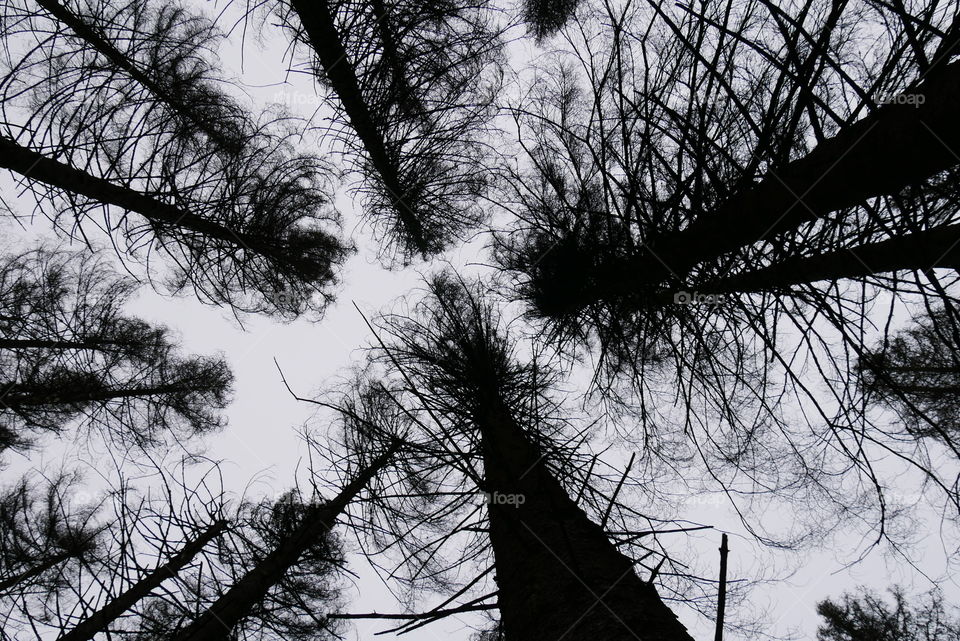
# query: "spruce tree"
x,y
70,357
117,111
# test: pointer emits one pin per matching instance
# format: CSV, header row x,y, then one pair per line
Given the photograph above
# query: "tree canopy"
x,y
869,616
671,257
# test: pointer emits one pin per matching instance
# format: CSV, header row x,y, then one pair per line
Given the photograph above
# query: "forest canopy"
x,y
485,319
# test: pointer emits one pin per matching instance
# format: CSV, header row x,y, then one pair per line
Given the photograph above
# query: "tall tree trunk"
x,y
36,166
896,146
176,102
937,247
911,369
102,618
558,574
321,30
230,609
12,399
52,562
30,343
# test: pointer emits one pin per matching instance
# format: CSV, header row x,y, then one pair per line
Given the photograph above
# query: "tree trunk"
x,y
36,570
318,23
896,146
722,594
230,609
912,369
183,109
14,400
29,343
558,574
937,247
98,621
920,390
36,166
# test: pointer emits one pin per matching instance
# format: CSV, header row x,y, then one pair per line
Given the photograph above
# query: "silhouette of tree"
x,y
867,617
606,222
727,176
157,523
546,17
491,420
916,252
117,110
414,83
44,534
915,373
716,240
723,208
279,569
68,355
101,620
181,81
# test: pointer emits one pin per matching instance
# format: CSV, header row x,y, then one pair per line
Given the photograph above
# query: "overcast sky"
x,y
261,438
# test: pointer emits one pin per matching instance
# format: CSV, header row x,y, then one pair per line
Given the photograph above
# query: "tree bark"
x,y
230,609
559,576
318,23
896,146
98,621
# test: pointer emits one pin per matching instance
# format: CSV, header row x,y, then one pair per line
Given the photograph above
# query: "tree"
x,y
43,534
747,197
546,17
726,204
68,354
606,225
100,620
175,165
867,617
916,374
414,82
152,538
724,245
916,252
196,104
287,555
489,416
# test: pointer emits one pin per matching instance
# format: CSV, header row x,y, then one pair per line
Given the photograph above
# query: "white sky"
x,y
261,437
